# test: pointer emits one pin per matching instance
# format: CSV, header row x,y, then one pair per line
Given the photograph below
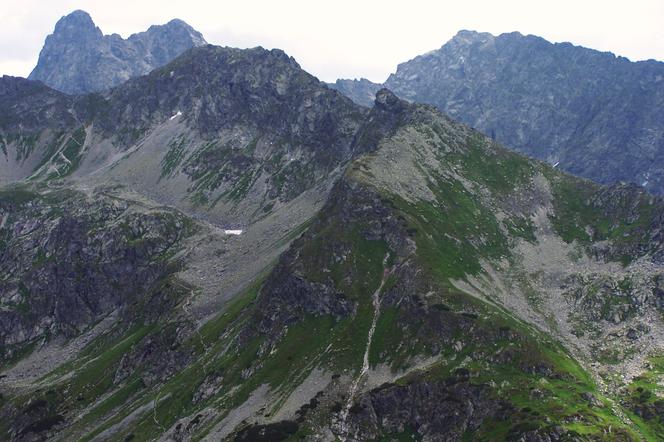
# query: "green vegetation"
x,y
25,145
293,178
174,156
454,233
580,215
499,170
644,399
423,316
18,194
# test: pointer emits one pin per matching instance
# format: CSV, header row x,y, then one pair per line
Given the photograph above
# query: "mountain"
x,y
361,91
227,249
591,113
77,58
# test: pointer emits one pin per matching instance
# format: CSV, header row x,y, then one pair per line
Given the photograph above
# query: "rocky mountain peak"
x,y
469,37
175,29
78,58
388,102
76,24
354,272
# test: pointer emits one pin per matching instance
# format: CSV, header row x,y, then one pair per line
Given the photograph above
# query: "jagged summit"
x,y
78,58
175,29
79,23
217,87
362,91
468,36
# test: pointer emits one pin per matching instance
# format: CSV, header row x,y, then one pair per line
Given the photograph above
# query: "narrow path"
x,y
154,411
66,160
192,318
365,362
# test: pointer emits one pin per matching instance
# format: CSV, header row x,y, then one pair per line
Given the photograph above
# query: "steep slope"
x,y
241,138
591,113
447,290
209,129
77,58
90,215
422,246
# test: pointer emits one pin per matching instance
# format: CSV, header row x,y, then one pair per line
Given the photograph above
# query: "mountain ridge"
x,y
556,102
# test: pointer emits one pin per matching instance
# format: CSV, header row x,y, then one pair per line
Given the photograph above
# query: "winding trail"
x,y
192,318
154,411
365,362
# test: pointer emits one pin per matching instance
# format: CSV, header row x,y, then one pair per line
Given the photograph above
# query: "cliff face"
x,y
590,113
64,257
77,58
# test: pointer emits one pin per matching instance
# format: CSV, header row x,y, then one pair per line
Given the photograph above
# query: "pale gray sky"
x,y
346,38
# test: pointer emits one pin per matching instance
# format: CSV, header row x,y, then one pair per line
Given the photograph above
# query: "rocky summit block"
x,y
78,58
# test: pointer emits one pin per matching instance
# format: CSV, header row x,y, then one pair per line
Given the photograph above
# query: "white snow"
x,y
176,115
232,232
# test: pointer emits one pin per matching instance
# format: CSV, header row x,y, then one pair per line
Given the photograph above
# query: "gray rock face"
x,y
437,410
77,58
27,106
597,115
257,111
362,91
63,258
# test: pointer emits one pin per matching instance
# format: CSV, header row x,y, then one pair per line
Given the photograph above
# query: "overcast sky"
x,y
346,38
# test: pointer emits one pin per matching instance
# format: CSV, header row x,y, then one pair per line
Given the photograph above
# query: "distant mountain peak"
x,y
78,17
557,102
468,35
76,24
78,58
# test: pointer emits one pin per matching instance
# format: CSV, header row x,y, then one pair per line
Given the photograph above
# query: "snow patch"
x,y
176,115
232,232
